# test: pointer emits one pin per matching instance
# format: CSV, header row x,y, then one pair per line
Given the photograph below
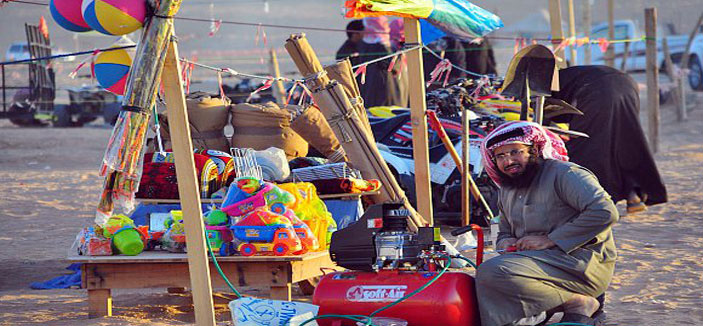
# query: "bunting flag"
x,y
443,67
603,44
267,84
361,71
43,28
215,27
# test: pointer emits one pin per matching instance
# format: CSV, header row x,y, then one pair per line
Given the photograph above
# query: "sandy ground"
x,y
49,187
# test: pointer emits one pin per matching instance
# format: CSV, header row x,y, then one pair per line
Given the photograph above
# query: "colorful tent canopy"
x,y
458,18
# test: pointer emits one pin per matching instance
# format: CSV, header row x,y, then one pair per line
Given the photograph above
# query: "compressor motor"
x,y
380,239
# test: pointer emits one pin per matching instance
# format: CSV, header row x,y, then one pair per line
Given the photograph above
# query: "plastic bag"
x,y
249,311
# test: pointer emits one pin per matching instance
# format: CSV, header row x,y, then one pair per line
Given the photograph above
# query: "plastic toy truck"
x,y
220,239
280,240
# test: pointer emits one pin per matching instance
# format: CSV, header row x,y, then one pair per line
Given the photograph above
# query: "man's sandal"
x,y
581,319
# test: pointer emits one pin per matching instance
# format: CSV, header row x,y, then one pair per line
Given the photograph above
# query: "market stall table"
x,y
101,274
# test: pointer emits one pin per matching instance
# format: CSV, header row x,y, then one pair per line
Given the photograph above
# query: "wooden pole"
x,y
557,33
669,68
586,26
572,32
423,191
278,89
198,264
625,55
650,26
610,54
682,114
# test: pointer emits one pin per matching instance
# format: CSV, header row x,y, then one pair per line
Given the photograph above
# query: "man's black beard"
x,y
525,178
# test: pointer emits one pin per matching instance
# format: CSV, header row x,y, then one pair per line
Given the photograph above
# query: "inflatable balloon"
x,y
114,17
68,14
111,69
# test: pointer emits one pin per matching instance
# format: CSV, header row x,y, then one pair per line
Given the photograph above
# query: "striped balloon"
x,y
67,14
111,69
114,17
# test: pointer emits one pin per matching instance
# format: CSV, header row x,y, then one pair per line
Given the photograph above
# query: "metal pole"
x,y
465,175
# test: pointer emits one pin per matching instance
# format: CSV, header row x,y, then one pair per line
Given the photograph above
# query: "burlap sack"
x,y
313,127
260,126
208,117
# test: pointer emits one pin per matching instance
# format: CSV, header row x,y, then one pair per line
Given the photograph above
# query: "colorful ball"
x,y
68,14
114,17
111,69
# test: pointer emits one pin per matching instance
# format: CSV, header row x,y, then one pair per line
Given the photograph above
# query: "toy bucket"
x,y
249,204
128,241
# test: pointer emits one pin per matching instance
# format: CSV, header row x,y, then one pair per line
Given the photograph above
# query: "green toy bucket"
x,y
128,241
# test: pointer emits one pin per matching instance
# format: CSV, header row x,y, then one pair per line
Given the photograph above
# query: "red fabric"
x,y
158,180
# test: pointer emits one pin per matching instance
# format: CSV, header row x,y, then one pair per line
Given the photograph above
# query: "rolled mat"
x,y
313,127
342,72
260,126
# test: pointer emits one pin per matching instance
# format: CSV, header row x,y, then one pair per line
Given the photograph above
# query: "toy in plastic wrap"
x,y
126,238
302,230
311,210
174,239
91,242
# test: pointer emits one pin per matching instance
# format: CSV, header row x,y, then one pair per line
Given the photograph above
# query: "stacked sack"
x,y
207,116
260,126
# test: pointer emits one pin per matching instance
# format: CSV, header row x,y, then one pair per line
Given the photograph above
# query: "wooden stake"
x,y
586,26
557,33
669,68
625,55
278,90
650,25
572,32
610,54
198,264
418,108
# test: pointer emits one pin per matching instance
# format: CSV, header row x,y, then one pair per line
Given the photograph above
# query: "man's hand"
x,y
534,242
505,243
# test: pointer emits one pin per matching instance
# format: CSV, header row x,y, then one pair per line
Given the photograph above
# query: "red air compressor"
x,y
389,263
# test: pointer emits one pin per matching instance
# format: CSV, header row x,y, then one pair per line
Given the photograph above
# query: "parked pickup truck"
x,y
636,58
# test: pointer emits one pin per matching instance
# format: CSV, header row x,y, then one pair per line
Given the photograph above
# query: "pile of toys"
x,y
119,235
268,219
256,217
